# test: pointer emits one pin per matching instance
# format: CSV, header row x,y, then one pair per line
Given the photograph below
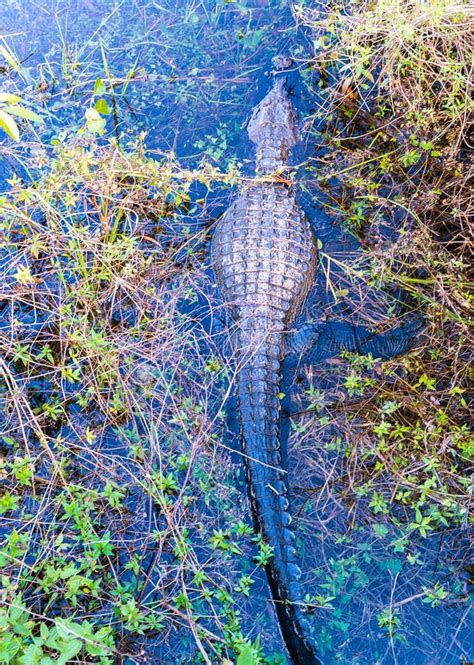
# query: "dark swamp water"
x,y
199,67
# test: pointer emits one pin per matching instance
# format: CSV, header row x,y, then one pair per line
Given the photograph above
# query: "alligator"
x,y
264,255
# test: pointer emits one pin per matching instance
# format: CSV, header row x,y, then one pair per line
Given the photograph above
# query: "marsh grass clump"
x,y
122,527
395,83
396,105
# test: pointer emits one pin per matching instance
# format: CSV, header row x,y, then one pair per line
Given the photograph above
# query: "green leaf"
x,y
69,650
380,530
95,123
246,656
66,628
96,649
10,58
31,655
8,98
393,565
9,126
102,107
27,114
21,629
92,115
24,276
99,87
17,609
319,243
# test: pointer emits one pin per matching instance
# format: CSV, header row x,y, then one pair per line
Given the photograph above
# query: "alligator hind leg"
x,y
315,343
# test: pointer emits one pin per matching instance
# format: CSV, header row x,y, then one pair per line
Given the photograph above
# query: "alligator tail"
x,y
259,406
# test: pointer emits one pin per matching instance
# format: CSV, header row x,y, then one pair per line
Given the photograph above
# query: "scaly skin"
x,y
264,257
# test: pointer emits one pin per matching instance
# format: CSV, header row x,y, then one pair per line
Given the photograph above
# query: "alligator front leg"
x,y
314,343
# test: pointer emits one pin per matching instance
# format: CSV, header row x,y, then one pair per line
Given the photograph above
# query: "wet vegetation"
x,y
396,103
124,525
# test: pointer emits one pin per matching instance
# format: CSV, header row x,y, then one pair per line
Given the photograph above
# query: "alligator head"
x,y
273,124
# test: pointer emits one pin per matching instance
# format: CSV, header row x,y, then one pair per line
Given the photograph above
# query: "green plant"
x,y
393,440
389,620
25,640
114,361
11,108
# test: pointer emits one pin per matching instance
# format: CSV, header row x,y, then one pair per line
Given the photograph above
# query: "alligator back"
x,y
264,257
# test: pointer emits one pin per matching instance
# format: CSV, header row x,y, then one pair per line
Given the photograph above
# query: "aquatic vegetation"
x,y
9,109
394,135
111,403
124,530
